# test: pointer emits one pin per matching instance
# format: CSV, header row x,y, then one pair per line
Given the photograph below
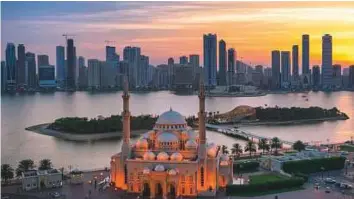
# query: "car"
x,y
330,181
55,195
328,190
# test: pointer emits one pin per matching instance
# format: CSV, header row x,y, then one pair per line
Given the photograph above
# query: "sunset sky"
x,y
173,29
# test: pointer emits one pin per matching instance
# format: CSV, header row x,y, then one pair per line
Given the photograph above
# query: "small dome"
x,y
192,134
176,156
171,117
167,137
211,150
172,172
224,157
224,163
191,144
142,143
146,170
159,168
148,134
149,156
162,156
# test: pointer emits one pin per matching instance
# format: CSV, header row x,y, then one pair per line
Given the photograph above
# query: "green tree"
x,y
250,147
299,146
224,149
45,164
7,172
236,149
276,144
263,145
24,165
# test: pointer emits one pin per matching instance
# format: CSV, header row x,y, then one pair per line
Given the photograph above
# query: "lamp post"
x,y
346,166
322,169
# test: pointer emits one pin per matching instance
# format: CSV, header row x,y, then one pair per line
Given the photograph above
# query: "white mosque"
x,y
170,160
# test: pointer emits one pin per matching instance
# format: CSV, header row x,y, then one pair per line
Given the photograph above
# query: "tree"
x,y
24,165
7,172
276,144
250,147
236,149
45,164
224,149
299,146
263,145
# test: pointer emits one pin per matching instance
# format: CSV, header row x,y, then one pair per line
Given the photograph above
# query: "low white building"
x,y
39,179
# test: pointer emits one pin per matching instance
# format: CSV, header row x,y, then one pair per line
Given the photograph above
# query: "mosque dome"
x,y
146,170
171,117
191,144
224,157
176,156
142,143
212,150
149,156
160,167
172,172
162,156
192,134
224,163
167,137
148,134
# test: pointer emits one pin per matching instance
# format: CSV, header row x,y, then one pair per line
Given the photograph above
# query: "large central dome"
x,y
171,118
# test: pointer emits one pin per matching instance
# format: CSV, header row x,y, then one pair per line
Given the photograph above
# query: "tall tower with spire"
x,y
126,120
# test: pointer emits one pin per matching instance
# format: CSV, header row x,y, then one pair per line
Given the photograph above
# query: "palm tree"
x,y
224,149
236,149
24,165
263,144
276,144
250,147
7,172
45,164
299,146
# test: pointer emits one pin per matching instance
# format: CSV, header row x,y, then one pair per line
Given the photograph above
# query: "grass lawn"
x,y
347,148
254,194
263,178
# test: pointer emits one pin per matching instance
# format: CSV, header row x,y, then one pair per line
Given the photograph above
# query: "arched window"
x,y
202,176
125,174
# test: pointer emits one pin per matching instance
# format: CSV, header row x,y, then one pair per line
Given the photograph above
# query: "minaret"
x,y
126,119
201,117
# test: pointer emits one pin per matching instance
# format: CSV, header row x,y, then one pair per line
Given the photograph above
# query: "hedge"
x,y
314,165
267,186
246,166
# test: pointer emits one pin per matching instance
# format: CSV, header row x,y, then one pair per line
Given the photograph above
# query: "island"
x,y
99,128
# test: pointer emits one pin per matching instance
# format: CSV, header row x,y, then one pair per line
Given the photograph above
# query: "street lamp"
x,y
322,169
346,166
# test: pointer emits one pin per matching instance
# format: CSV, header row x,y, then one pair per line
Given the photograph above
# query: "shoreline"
x,y
235,95
43,130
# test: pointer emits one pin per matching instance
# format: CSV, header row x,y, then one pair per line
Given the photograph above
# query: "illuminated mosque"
x,y
172,159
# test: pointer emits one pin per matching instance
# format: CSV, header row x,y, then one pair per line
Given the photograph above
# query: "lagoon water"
x,y
21,111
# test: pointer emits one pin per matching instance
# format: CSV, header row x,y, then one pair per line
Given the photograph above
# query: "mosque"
x,y
171,160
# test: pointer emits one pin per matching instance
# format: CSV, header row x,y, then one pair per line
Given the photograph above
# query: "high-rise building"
x,y
183,60
60,65
285,68
295,61
94,73
132,56
21,67
275,69
111,54
257,75
351,77
316,76
327,69
194,62
337,75
46,76
143,65
170,61
10,65
107,75
43,60
305,54
231,57
71,62
267,77
222,63
3,76
31,70
209,54
82,73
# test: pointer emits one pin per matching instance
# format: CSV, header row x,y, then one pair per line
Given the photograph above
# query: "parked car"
x,y
330,181
328,190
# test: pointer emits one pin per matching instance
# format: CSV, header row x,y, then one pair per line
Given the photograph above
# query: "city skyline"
x,y
177,33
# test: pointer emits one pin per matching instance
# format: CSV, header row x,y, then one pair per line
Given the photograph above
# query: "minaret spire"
x,y
126,113
201,114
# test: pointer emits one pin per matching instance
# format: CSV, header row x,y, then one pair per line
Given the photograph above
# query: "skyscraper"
x,y
305,54
3,76
230,66
31,70
21,67
327,71
285,68
10,64
222,63
316,76
183,60
194,62
295,61
351,77
275,69
143,65
170,61
132,55
71,60
82,73
94,73
43,60
60,65
337,75
111,54
209,54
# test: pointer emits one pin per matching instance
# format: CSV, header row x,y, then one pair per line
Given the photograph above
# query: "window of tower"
x,y
202,176
125,174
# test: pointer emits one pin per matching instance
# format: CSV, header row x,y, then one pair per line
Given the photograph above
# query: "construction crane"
x,y
66,35
109,42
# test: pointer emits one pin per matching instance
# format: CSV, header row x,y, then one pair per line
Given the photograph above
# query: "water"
x,y
21,111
